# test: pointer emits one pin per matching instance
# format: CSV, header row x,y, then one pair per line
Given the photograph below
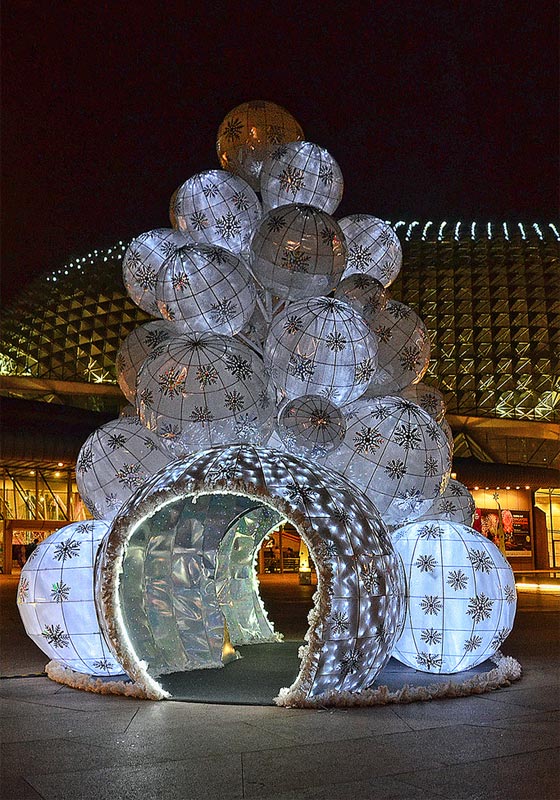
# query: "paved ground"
x,y
62,744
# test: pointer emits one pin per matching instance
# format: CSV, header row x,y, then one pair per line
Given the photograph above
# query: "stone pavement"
x,y
63,744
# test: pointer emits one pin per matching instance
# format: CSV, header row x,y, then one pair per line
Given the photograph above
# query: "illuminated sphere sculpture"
x,y
56,599
310,426
461,597
204,389
428,397
395,452
455,504
215,207
373,248
200,502
206,288
404,348
301,172
298,251
142,262
320,346
364,293
114,461
134,350
249,133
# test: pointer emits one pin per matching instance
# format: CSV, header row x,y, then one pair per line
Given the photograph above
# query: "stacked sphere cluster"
x,y
273,326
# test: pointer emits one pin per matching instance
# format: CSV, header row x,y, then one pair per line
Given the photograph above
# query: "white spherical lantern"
x,y
364,293
461,596
206,288
301,172
114,461
310,426
298,251
395,452
404,348
216,207
134,350
373,248
320,346
142,262
56,599
455,504
204,389
428,397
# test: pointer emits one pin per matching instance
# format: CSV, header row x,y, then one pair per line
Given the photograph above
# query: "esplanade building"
x,y
488,292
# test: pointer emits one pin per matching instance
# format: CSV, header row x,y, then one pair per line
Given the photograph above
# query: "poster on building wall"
x,y
517,534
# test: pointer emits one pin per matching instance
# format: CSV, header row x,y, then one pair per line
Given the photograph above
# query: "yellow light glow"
x,y
538,587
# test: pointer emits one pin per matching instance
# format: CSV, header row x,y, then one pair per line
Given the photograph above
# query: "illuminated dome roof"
x,y
488,294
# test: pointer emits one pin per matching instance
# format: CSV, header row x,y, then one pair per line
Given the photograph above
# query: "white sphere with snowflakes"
x,y
298,251
216,207
395,452
114,461
301,172
206,288
204,389
56,599
461,597
373,247
404,348
364,293
142,262
134,350
310,426
455,504
448,432
430,398
320,346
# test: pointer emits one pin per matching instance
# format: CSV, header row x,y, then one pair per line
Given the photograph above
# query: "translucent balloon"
x,y
455,504
206,288
364,293
142,262
298,251
56,599
301,172
311,426
248,134
113,462
204,389
404,348
397,454
446,428
134,350
430,398
373,248
461,597
320,346
215,207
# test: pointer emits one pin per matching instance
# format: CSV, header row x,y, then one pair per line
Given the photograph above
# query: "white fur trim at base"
x,y
507,670
77,680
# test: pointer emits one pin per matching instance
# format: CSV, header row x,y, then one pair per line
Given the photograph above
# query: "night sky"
x,y
434,110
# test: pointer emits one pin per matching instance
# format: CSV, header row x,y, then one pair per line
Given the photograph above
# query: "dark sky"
x,y
436,110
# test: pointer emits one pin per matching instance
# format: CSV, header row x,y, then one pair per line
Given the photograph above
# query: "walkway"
x,y
62,744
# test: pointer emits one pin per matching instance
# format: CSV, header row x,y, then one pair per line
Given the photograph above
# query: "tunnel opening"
x,y
190,600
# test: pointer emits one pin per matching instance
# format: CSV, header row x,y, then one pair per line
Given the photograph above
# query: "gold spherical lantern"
x,y
249,133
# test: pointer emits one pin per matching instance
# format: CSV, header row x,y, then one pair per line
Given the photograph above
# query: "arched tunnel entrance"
x,y
176,580
190,600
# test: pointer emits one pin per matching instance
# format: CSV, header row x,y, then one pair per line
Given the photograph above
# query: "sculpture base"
x,y
256,677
